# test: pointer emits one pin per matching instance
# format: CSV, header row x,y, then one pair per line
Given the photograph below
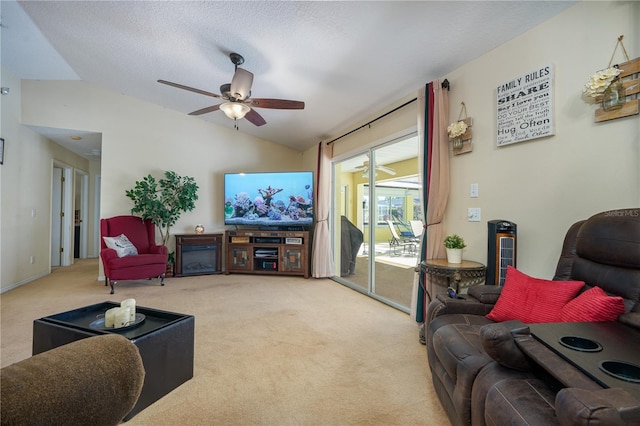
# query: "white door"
x,y
56,216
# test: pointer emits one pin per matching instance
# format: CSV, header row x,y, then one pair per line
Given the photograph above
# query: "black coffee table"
x,y
164,339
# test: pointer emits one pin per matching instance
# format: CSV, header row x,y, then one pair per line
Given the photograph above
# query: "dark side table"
x,y
455,275
164,339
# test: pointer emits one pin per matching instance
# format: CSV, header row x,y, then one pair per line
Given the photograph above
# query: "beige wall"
x,y
400,123
25,188
545,185
542,185
93,243
138,138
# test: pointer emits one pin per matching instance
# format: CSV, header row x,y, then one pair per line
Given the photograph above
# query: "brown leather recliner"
x,y
479,370
92,381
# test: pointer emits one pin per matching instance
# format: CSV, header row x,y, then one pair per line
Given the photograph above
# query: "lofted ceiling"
x,y
346,60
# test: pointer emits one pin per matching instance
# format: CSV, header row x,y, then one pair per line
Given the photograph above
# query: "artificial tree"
x,y
163,201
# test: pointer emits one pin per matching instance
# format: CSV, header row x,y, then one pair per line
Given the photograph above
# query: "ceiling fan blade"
x,y
212,108
191,89
255,118
386,170
275,103
241,84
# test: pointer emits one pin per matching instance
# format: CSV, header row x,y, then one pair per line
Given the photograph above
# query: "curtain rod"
x,y
445,85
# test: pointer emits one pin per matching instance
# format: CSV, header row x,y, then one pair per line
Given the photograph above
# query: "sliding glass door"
x,y
376,201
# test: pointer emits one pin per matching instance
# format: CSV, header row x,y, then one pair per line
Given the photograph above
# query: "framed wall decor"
x,y
524,107
1,150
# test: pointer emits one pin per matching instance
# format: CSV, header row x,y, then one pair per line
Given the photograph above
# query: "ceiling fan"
x,y
237,96
365,169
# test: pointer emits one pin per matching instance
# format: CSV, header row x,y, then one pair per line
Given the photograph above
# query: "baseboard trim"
x,y
23,282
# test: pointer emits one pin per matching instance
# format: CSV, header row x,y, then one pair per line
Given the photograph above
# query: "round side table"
x,y
456,275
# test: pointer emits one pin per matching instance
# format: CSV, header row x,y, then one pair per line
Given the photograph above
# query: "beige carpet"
x,y
268,350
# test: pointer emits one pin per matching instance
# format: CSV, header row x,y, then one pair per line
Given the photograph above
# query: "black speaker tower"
x,y
501,250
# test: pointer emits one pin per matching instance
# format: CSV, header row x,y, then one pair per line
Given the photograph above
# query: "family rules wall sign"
x,y
524,107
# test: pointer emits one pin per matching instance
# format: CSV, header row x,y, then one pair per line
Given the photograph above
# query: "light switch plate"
x,y
473,214
473,190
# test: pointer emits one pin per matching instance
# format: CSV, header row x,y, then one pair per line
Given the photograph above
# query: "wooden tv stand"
x,y
267,252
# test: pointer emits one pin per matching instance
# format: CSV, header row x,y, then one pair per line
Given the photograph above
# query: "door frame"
x,y
66,258
82,177
96,215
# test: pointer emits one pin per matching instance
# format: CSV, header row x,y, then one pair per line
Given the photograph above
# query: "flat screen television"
x,y
281,200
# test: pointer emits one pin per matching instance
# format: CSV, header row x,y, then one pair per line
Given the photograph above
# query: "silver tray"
x,y
99,323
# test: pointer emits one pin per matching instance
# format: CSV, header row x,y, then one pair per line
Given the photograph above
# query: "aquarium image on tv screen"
x,y
270,199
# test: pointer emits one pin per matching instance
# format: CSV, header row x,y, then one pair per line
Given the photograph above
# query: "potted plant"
x,y
454,245
163,201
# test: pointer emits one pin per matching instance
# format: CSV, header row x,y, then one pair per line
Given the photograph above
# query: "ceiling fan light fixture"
x,y
235,110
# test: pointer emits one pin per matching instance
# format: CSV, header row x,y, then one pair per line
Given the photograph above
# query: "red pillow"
x,y
532,300
593,305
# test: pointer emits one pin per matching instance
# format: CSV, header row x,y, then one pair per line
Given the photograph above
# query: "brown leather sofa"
x,y
488,373
93,381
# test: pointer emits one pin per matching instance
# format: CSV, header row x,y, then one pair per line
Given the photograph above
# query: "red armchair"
x,y
151,260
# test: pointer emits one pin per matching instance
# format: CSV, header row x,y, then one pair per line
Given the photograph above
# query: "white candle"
x,y
122,317
131,304
110,317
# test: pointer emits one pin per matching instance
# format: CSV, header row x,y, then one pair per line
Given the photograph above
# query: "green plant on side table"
x,y
163,201
454,245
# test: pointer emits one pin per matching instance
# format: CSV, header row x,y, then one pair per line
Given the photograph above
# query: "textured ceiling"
x,y
344,59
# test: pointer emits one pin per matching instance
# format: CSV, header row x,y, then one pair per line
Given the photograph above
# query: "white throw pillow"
x,y
121,245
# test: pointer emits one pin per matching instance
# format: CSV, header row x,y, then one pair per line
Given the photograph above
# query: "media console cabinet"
x,y
267,252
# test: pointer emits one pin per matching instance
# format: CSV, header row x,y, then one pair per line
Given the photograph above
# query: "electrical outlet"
x,y
473,214
32,260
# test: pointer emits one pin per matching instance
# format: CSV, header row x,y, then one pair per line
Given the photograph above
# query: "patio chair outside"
x,y
397,241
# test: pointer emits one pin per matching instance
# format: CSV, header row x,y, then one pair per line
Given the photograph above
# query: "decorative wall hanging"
x,y
460,133
615,88
525,107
